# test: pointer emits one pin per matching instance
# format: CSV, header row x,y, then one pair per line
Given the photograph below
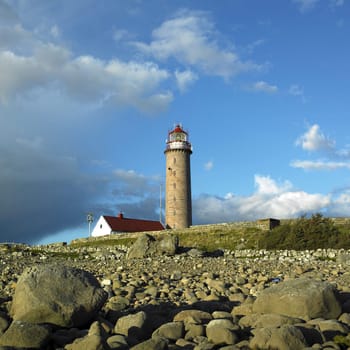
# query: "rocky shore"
x,y
228,300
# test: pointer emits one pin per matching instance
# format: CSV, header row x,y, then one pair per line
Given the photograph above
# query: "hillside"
x,y
302,233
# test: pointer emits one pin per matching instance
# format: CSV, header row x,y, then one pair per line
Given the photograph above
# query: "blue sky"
x,y
89,90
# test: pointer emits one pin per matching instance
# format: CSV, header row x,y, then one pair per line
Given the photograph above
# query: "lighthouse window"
x,y
174,161
174,185
101,226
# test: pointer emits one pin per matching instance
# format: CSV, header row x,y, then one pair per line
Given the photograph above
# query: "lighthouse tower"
x,y
178,203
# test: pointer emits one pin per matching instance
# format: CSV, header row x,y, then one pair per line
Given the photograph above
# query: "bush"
x,y
305,233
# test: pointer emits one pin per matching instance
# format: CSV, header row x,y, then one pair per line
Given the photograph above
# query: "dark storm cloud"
x,y
41,194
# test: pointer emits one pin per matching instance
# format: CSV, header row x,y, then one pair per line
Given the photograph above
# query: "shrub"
x,y
305,233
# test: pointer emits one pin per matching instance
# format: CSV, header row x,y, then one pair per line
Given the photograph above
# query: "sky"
x,y
90,89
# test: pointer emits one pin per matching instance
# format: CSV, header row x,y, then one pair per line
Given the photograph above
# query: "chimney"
x,y
120,216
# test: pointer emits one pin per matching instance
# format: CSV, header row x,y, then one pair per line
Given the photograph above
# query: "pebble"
x,y
187,301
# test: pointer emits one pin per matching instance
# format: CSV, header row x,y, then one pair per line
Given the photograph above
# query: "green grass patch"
x,y
104,243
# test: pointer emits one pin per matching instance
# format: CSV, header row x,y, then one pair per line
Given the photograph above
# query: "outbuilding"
x,y
107,225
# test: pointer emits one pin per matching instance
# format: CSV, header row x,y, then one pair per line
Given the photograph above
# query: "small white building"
x,y
107,225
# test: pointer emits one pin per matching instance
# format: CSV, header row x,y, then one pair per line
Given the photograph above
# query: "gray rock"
x,y
132,325
221,332
168,245
117,303
193,316
267,320
117,342
170,330
194,330
302,298
56,294
195,253
152,344
25,335
345,318
343,258
217,285
147,246
284,338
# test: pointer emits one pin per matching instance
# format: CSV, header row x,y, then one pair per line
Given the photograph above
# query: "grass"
x,y
208,238
212,240
303,233
104,242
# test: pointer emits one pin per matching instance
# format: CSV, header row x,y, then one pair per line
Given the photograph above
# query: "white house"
x,y
107,225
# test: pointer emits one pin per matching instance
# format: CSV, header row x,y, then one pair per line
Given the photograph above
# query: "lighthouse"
x,y
178,202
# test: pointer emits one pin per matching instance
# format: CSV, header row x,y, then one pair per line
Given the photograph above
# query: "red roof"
x,y
178,128
122,224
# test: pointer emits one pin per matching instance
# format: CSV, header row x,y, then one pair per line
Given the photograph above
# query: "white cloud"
x,y
190,37
121,34
266,185
270,199
314,140
209,165
319,165
55,31
16,38
340,206
336,3
83,77
184,79
263,86
251,47
306,5
296,90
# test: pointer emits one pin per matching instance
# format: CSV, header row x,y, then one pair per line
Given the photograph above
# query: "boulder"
x,y
147,246
132,326
285,338
193,316
58,295
170,330
25,335
301,298
267,320
221,331
118,341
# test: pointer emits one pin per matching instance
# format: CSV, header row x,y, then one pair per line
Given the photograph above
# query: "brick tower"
x,y
178,203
